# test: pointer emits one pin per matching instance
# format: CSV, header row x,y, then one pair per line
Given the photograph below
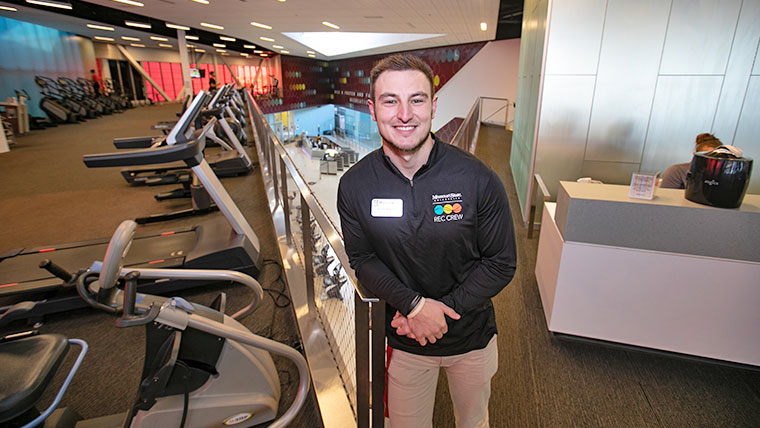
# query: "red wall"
x,y
308,82
168,76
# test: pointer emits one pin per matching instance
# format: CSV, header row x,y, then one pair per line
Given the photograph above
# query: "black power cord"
x,y
185,378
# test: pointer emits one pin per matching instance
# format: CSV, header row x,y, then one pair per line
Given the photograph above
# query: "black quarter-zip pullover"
x,y
446,234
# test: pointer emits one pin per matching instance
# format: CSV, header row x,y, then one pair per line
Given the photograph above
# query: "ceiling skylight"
x,y
339,43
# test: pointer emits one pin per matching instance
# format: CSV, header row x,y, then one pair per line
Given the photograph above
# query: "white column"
x,y
216,70
184,60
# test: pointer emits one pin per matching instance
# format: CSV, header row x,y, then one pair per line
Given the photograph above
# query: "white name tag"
x,y
387,208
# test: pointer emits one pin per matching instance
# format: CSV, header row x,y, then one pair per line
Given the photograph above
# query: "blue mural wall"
x,y
311,120
29,50
358,126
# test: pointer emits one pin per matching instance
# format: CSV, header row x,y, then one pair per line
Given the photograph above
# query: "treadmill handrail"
x,y
190,152
162,154
217,96
177,134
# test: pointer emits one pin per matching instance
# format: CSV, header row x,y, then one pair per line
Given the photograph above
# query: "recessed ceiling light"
x,y
191,37
249,46
264,55
200,50
130,39
137,45
258,51
190,46
266,39
130,2
483,26
278,47
264,26
310,52
221,50
137,24
201,1
103,39
159,39
281,1
178,27
8,8
229,39
331,25
51,3
220,45
164,45
214,26
99,27
312,56
244,54
225,54
285,52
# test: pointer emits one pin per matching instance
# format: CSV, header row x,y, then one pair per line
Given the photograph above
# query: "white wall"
x,y
87,50
492,72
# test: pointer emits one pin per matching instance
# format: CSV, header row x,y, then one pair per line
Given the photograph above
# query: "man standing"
x,y
211,82
95,82
427,228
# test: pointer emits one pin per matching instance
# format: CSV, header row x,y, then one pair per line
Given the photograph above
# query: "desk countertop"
x,y
604,214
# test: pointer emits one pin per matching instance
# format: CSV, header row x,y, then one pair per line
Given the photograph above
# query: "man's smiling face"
x,y
403,108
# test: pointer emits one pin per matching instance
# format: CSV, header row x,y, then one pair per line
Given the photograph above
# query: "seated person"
x,y
675,175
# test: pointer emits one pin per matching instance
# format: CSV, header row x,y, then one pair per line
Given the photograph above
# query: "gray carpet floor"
x,y
48,196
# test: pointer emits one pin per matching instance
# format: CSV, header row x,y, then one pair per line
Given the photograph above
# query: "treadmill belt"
x,y
155,250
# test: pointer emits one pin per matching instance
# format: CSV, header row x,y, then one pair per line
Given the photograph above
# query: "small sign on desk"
x,y
642,185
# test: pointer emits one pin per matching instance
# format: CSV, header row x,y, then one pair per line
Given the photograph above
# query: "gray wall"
x,y
628,85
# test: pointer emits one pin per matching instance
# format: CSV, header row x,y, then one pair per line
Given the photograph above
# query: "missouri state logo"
x,y
447,207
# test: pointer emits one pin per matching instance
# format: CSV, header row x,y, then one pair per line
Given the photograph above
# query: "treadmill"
x,y
226,242
231,162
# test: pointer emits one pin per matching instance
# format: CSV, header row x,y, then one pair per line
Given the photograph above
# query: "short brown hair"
x,y
400,62
705,142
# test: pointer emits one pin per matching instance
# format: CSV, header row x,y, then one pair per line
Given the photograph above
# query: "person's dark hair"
x,y
400,62
705,142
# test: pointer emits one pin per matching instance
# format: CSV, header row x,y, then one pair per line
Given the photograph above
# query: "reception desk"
x,y
666,274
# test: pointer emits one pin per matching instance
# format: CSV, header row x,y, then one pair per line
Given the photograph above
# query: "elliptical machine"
x,y
202,368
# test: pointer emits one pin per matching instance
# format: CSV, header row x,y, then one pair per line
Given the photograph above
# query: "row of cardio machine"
x,y
67,100
202,367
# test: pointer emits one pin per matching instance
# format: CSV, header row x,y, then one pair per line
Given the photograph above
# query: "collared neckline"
x,y
435,154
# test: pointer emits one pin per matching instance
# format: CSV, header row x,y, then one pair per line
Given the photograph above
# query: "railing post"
x,y
273,164
285,200
361,325
308,262
378,363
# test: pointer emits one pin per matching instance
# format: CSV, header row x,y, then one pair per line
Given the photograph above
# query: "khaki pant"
x,y
412,380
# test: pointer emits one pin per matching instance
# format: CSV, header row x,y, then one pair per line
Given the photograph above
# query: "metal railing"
x,y
324,321
494,111
467,135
